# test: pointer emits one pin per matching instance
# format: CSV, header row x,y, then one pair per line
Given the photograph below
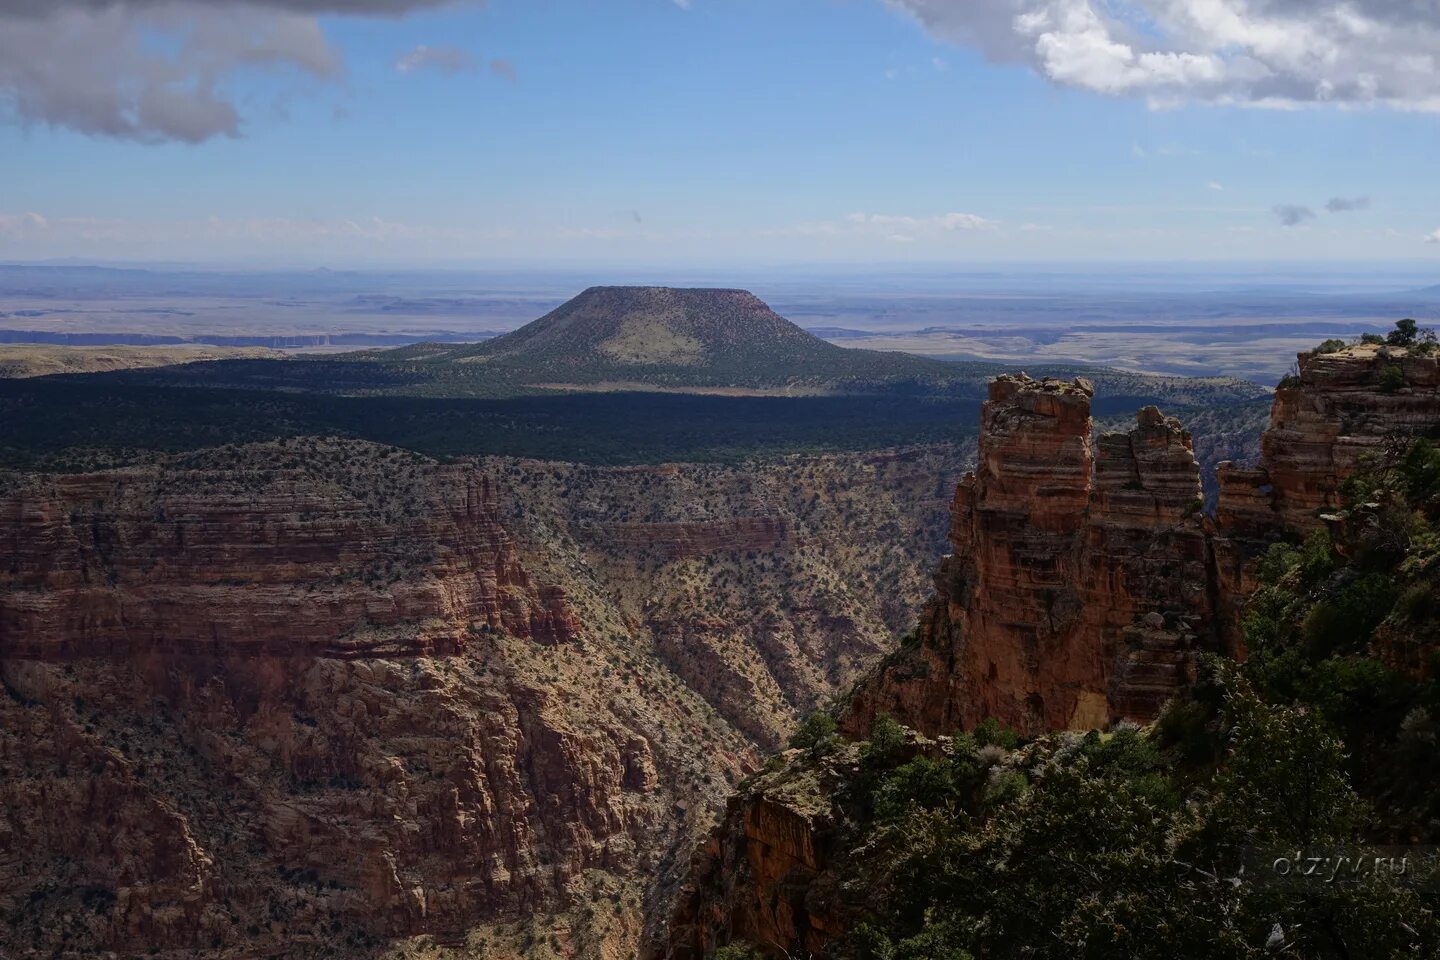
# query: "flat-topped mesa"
x,y
1078,584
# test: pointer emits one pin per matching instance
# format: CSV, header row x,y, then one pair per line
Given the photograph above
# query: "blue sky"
x,y
730,131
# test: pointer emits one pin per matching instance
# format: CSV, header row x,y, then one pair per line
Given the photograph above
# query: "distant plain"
x,y
1188,321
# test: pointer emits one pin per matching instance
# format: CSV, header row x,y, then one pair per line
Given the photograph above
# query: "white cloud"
x,y
1216,186
446,60
1433,237
1268,53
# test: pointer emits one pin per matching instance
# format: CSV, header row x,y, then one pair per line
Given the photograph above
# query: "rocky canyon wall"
x,y
323,698
1078,580
1082,581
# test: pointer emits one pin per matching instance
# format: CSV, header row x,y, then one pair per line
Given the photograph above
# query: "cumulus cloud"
x,y
1292,215
446,60
158,70
1279,53
1347,204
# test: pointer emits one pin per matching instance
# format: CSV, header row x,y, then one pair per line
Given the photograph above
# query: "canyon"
x,y
289,664
1084,581
340,699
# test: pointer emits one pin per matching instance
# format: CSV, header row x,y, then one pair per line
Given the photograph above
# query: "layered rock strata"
x,y
215,561
317,698
1082,582
1340,410
1066,551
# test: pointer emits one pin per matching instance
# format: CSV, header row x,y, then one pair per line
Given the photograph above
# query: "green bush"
x,y
738,951
1345,620
1417,603
1404,333
926,784
887,737
818,730
1331,346
1392,378
990,732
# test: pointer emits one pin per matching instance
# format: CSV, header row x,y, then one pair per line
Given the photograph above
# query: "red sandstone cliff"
x,y
1078,578
1323,424
1082,581
207,561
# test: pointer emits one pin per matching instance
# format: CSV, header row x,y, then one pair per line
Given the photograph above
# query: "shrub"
x,y
1417,603
1404,333
1184,726
887,736
1392,378
1345,620
1284,779
818,729
989,731
1372,338
923,782
1331,346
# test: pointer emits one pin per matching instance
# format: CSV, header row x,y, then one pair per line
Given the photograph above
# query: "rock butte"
x,y
1084,579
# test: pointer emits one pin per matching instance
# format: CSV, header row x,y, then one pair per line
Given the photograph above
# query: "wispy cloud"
x,y
1433,237
892,228
1292,215
32,226
1346,205
1216,186
446,60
